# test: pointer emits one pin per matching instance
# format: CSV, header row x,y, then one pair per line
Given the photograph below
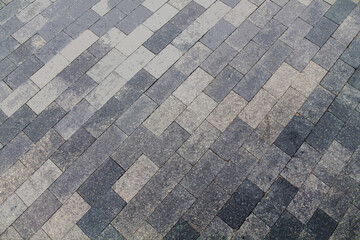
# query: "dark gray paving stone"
x,y
72,149
355,79
7,46
275,56
322,135
170,210
134,19
252,82
302,54
290,12
100,182
206,207
6,67
101,214
127,6
269,33
9,27
187,15
343,69
3,117
267,212
264,13
164,36
349,137
36,215
60,5
166,84
329,53
320,225
231,3
22,53
136,114
108,21
218,59
340,110
281,193
352,53
286,227
23,72
13,150
291,138
44,121
354,119
352,168
314,12
169,175
53,46
217,34
217,229
17,122
89,161
348,227
236,170
340,10
333,82
55,25
321,31
240,205
80,7
82,23
202,174
247,58
231,139
110,233
296,33
182,230
317,103
219,88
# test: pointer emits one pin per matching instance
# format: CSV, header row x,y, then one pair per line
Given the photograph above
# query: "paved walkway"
x,y
179,119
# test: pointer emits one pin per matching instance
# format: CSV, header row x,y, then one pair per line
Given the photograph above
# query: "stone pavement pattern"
x,y
179,119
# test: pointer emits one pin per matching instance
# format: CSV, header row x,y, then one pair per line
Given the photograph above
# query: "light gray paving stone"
x,y
347,30
11,9
40,235
195,147
135,178
10,210
264,13
32,10
75,119
88,162
247,57
242,35
146,231
160,17
219,59
267,169
290,12
29,29
329,53
6,67
308,199
76,233
206,207
179,4
11,233
217,228
295,33
213,14
173,206
189,36
196,112
38,182
217,34
104,6
240,12
130,219
302,54
153,5
202,174
313,13
192,59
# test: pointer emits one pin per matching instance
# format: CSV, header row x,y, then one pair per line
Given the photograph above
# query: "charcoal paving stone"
x,y
321,225
349,137
355,79
351,55
182,230
286,227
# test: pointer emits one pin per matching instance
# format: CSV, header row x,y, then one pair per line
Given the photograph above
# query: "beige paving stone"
x,y
287,106
189,36
76,234
257,108
18,98
50,70
205,3
153,5
79,45
160,17
145,232
134,63
47,95
66,217
213,14
281,80
309,78
135,178
134,40
240,12
32,10
10,210
227,111
163,61
30,190
196,112
40,235
11,234
12,179
106,65
164,115
29,29
179,4
192,86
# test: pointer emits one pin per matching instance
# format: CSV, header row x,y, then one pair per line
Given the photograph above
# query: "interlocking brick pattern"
x,y
179,119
